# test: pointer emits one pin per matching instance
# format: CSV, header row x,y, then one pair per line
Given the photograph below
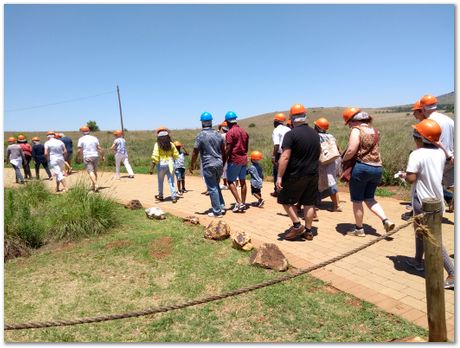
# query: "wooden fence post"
x,y
434,273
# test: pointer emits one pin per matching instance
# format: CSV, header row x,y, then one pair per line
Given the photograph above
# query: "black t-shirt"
x,y
305,148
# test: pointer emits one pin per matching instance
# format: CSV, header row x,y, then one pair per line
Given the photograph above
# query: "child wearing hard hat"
x,y
38,155
424,171
179,167
257,176
15,155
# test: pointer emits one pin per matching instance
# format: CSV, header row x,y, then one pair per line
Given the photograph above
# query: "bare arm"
x,y
282,165
409,177
353,145
193,162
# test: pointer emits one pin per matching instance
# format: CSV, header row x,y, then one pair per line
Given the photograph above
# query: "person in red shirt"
x,y
27,149
237,143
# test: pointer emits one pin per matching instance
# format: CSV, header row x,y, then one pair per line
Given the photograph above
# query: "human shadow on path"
x,y
400,264
343,228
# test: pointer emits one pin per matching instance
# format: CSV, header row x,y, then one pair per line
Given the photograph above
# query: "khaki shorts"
x,y
91,164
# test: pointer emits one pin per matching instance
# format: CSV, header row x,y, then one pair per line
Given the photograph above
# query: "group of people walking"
x,y
306,165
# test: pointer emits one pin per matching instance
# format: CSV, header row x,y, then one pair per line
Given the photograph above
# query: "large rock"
x,y
134,204
217,230
268,255
241,241
155,213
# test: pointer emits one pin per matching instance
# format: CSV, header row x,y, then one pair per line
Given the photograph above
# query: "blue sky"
x,y
172,62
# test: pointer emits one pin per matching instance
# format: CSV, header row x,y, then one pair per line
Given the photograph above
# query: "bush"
x,y
33,216
251,125
92,125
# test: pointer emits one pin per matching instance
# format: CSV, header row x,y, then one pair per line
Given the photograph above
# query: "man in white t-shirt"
x,y
55,152
121,154
424,171
89,149
277,137
429,106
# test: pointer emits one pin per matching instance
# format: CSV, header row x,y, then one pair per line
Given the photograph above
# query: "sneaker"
x,y
450,282
131,176
174,200
308,235
260,204
357,233
211,214
388,225
294,232
244,206
274,194
236,207
223,187
414,264
184,191
159,198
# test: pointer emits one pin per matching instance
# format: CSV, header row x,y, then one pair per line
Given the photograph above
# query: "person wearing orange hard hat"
x,y
90,151
418,111
27,149
366,175
297,181
424,171
163,156
15,155
121,154
179,167
55,152
257,177
429,104
277,137
68,157
329,161
38,155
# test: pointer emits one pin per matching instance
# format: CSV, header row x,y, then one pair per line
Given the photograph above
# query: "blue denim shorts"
x,y
180,173
236,171
364,181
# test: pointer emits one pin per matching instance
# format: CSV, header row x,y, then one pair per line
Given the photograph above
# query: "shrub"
x,y
251,125
81,213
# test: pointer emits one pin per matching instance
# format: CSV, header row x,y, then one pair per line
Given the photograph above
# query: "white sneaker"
x,y
357,233
211,214
223,187
388,225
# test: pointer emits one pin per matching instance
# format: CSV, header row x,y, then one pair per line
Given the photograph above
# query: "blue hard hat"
x,y
230,116
205,116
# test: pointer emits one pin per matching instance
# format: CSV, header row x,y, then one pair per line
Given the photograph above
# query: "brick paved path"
x,y
377,274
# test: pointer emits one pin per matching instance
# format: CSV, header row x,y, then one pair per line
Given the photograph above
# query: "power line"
x,y
56,103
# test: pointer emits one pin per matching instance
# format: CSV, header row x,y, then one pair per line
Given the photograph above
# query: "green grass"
x,y
148,263
34,216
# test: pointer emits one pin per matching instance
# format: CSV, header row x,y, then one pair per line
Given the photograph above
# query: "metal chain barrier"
x,y
150,311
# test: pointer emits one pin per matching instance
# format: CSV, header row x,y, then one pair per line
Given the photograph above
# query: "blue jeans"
x,y
211,178
364,181
162,171
19,177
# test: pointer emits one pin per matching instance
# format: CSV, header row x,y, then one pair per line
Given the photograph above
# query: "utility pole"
x,y
119,106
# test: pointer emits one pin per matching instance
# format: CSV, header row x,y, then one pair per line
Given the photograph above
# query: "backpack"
x,y
329,151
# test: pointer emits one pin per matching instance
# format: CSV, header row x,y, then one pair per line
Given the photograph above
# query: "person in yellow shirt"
x,y
163,156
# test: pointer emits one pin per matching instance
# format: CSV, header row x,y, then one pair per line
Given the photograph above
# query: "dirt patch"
x,y
330,289
354,302
117,244
161,247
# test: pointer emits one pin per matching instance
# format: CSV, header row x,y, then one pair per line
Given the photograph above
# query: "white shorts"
x,y
57,166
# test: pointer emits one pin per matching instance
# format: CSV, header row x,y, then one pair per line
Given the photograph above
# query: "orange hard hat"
x,y
428,100
256,155
118,132
297,109
348,114
35,139
11,139
279,117
417,106
429,129
50,133
161,129
322,123
177,144
58,136
21,137
84,129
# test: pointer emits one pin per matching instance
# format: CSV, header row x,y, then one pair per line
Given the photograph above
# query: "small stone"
x,y
134,204
269,256
217,230
240,239
194,220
